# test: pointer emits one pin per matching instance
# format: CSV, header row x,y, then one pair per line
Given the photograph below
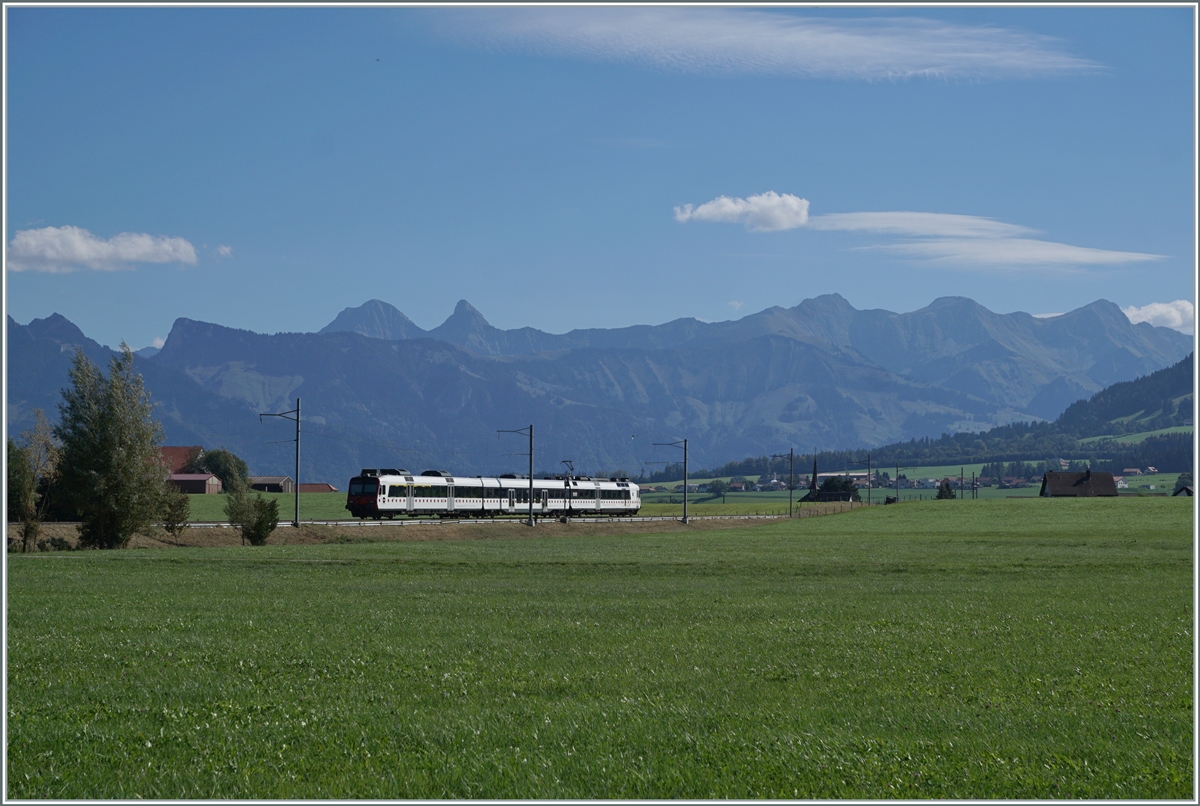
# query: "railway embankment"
x,y
218,534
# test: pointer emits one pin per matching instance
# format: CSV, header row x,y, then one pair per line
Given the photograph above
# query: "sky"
x,y
265,168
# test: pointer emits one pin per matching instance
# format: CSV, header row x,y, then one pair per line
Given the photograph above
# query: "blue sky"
x,y
265,168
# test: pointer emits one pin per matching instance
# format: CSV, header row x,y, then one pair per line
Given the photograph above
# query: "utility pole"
x,y
683,443
897,481
791,455
528,430
961,475
868,478
287,416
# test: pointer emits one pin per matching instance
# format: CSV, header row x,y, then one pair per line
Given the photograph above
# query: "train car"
x,y
388,493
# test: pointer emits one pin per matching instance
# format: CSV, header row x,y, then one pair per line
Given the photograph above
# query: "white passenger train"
x,y
387,493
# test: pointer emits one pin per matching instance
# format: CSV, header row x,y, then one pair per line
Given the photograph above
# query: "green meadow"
x,y
1002,649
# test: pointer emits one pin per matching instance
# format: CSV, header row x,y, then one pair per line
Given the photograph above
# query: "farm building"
x,y
1183,491
1078,485
196,483
177,456
317,487
272,484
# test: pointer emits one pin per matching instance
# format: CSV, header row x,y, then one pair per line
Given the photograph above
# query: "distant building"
x,y
177,456
1078,485
1184,491
272,484
317,487
1132,471
196,483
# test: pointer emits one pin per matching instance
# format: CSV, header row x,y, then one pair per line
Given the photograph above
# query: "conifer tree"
x,y
111,469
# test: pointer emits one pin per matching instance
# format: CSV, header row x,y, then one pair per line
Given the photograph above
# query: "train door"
x,y
450,498
545,499
409,507
512,499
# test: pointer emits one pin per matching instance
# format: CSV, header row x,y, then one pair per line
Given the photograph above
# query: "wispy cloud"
x,y
945,225
766,212
66,249
736,304
1178,315
943,238
1012,253
225,251
708,40
158,342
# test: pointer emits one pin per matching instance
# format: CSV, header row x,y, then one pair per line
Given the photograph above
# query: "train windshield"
x,y
364,487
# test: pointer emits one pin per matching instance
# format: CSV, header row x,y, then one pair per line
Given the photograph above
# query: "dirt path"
x,y
309,534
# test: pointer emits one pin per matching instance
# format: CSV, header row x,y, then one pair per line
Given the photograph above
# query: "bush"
x,y
177,511
255,516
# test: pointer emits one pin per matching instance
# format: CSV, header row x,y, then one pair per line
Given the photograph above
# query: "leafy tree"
x,y
1184,480
840,484
226,466
20,481
945,491
177,510
255,516
718,487
110,468
31,470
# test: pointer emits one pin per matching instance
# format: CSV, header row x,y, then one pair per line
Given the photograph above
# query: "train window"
x,y
428,491
364,487
397,491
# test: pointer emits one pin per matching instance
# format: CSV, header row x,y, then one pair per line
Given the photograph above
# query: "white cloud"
x,y
158,342
1012,253
736,304
1045,315
708,40
946,225
65,249
225,251
946,238
1178,315
766,212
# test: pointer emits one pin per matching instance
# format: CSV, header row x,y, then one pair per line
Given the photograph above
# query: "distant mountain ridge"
x,y
1038,366
380,391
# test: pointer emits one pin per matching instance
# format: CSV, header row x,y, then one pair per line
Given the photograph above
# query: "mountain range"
x,y
378,390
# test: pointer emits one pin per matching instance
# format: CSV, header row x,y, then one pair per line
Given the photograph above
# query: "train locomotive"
x,y
388,493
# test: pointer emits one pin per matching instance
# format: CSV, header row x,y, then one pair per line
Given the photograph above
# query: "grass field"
x,y
1017,649
1141,436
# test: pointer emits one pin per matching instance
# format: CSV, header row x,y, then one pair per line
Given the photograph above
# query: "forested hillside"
x,y
1160,400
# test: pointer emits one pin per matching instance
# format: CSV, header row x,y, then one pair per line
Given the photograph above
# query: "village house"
x,y
318,487
176,457
272,484
197,483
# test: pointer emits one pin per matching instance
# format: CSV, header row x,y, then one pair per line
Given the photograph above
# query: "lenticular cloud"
x,y
65,249
766,212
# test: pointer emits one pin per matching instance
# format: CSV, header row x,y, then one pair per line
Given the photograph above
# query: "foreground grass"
x,y
1010,649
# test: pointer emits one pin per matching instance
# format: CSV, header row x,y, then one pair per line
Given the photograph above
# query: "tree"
x,y
840,484
718,487
945,491
1184,480
110,469
256,517
177,510
31,470
226,466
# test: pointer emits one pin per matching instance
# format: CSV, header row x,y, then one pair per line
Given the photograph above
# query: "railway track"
x,y
469,521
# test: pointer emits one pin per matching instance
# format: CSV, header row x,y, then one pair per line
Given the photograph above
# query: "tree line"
x,y
102,466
